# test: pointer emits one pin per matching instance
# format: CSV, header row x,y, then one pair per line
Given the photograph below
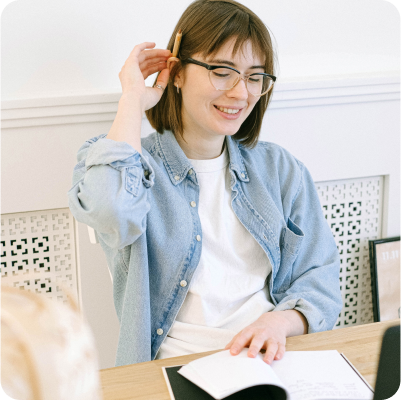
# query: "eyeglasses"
x,y
225,78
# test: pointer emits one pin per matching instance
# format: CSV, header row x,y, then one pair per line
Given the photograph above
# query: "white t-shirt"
x,y
228,290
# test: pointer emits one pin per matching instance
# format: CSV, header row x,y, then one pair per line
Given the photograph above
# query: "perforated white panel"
x,y
353,209
38,252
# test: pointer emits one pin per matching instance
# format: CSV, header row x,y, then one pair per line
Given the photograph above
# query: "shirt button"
x,y
160,331
190,172
198,238
177,178
243,175
183,283
193,204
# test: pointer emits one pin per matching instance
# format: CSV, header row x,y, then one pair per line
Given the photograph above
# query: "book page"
x,y
312,375
222,374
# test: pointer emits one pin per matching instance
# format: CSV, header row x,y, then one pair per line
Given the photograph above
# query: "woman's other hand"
x,y
140,64
269,332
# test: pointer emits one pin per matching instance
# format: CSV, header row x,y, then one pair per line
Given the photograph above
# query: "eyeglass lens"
x,y
225,79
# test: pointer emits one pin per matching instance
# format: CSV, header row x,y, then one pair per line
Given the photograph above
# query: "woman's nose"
x,y
239,90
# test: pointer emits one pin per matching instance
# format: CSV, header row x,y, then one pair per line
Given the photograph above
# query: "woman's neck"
x,y
201,148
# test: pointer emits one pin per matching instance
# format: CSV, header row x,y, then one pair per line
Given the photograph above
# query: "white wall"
x,y
79,46
335,106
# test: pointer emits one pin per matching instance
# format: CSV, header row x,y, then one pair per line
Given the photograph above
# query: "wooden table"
x,y
360,344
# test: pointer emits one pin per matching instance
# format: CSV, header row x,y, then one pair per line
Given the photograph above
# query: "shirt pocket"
x,y
290,246
293,237
133,177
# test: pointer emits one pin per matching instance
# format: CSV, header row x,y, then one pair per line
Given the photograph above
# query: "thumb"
x,y
154,94
163,77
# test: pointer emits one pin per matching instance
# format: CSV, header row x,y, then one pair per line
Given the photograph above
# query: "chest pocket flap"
x,y
293,237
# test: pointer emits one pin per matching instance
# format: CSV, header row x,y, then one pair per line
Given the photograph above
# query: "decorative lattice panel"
x,y
38,252
353,209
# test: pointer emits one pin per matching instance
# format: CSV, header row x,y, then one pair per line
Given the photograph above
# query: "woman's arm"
x,y
314,285
311,300
111,178
136,97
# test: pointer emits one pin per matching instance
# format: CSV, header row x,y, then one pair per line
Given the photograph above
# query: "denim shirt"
x,y
140,208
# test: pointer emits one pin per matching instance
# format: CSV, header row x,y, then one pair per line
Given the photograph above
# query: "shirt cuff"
x,y
119,155
314,318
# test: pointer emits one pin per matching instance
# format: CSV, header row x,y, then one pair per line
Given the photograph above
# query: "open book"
x,y
299,375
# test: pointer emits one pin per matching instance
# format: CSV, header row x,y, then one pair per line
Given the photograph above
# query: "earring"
x,y
178,90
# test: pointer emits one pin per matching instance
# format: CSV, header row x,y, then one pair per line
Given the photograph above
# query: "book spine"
x,y
373,281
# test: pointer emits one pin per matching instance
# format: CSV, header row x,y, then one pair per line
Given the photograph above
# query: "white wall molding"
x,y
83,108
341,89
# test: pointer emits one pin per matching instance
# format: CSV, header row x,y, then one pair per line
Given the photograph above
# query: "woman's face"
x,y
200,99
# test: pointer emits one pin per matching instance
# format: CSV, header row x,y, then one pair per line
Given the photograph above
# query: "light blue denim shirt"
x,y
140,208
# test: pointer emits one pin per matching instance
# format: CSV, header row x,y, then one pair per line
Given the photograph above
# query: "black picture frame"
x,y
383,256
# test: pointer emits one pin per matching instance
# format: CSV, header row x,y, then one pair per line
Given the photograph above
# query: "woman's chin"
x,y
228,130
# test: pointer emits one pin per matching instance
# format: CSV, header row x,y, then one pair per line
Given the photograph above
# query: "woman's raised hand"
x,y
137,97
140,64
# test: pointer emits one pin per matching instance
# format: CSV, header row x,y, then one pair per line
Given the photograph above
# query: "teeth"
x,y
228,110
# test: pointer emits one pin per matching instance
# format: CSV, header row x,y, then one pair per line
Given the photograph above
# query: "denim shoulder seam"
x,y
301,169
120,251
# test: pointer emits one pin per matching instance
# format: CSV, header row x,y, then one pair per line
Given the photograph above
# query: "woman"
x,y
213,239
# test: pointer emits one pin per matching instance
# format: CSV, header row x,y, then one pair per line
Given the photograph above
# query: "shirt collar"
x,y
178,165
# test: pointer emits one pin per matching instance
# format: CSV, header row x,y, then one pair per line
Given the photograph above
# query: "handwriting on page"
x,y
303,390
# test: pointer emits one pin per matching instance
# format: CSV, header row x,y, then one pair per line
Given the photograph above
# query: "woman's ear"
x,y
178,78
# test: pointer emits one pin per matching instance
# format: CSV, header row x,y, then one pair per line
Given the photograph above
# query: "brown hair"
x,y
206,26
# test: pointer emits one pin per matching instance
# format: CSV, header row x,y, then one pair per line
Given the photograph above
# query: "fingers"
x,y
240,342
256,344
274,349
150,62
271,351
280,351
153,54
153,69
141,54
140,47
230,343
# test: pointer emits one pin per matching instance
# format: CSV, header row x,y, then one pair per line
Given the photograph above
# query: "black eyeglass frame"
x,y
212,67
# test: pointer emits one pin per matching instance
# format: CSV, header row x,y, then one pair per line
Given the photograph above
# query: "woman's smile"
x,y
228,113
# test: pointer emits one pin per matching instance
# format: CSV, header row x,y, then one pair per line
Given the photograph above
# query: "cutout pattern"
x,y
353,210
38,252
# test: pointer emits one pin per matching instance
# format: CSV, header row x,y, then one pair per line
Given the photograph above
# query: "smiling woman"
x,y
239,36
213,237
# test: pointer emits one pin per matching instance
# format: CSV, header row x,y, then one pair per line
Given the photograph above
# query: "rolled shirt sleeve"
x,y
109,192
